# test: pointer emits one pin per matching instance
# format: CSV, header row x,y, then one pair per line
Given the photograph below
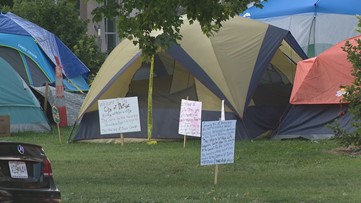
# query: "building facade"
x,y
105,30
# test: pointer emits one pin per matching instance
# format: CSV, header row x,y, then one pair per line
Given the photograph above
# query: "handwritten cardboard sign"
x,y
217,144
190,118
119,115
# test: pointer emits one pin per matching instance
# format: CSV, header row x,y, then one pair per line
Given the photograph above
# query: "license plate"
x,y
18,169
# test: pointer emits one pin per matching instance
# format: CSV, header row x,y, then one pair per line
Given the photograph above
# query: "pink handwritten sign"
x,y
190,118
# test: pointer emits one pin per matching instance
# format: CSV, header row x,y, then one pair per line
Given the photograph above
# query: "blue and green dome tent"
x,y
18,101
31,51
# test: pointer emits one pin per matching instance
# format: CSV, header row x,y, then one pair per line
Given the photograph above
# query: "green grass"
x,y
264,171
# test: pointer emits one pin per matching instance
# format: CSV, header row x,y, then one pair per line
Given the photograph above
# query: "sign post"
x,y
46,97
216,169
184,136
59,94
217,143
122,139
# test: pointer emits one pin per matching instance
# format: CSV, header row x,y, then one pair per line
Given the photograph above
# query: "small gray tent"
x,y
248,64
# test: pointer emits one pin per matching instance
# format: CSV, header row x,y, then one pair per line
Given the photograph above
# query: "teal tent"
x,y
18,101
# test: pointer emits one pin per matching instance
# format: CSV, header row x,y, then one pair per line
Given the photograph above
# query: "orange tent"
x,y
318,79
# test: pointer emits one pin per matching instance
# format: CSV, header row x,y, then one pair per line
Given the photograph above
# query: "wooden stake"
x,y
216,174
184,141
46,97
59,133
185,136
122,139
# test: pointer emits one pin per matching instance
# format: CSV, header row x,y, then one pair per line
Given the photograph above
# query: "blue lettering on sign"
x,y
217,143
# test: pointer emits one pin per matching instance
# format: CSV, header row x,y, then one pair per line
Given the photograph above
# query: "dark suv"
x,y
26,174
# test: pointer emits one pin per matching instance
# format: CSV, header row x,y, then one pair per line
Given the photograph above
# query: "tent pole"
x,y
71,132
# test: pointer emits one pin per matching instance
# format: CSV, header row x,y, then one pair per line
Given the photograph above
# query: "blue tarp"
x,y
274,8
315,24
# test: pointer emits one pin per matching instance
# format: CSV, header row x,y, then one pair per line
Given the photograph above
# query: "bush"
x,y
88,51
353,97
347,139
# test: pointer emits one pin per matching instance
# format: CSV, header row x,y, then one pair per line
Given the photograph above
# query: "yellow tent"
x,y
231,66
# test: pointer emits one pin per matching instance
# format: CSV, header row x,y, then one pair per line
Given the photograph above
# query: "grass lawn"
x,y
263,171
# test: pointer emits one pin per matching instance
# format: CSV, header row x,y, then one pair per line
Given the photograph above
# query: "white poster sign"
x,y
190,118
119,115
217,144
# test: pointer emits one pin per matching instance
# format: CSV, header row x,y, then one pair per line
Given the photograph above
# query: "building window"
x,y
110,34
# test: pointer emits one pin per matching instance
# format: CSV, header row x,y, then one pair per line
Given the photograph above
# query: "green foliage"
x,y
347,139
6,4
138,18
62,19
4,8
89,52
352,96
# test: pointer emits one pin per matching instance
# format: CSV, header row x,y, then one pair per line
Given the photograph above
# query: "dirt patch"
x,y
352,151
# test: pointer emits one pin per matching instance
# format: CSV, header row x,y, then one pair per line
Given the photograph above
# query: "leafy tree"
x,y
7,3
138,18
353,96
88,51
62,19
